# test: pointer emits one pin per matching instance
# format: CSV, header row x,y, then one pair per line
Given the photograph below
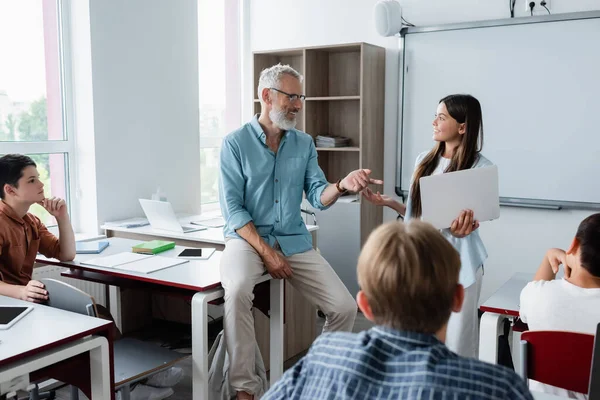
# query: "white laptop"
x,y
444,196
9,315
161,216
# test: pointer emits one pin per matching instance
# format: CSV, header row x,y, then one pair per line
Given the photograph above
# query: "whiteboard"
x,y
539,87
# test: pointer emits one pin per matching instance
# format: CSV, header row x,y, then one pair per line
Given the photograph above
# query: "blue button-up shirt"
x,y
384,363
266,188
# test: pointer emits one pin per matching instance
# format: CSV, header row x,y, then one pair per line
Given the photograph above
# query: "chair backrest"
x,y
558,358
594,393
63,296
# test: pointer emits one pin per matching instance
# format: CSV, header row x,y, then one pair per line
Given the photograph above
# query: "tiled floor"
x,y
183,390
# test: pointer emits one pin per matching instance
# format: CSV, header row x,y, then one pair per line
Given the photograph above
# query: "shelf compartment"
x,y
336,165
333,72
335,118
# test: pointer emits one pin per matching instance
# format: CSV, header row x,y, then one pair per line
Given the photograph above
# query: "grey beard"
x,y
279,119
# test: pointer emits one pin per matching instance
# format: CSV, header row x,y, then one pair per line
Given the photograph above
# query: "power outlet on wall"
x,y
538,8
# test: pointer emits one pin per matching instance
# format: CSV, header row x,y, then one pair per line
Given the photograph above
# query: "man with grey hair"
x,y
266,165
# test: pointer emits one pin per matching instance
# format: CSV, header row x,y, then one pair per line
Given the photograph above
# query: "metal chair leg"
x,y
34,394
125,392
74,393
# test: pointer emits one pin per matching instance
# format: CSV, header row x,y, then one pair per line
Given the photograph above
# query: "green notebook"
x,y
153,247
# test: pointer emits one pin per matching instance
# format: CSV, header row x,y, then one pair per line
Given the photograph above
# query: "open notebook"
x,y
134,262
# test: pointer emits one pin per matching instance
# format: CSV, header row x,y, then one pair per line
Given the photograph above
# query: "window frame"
x,y
66,145
236,29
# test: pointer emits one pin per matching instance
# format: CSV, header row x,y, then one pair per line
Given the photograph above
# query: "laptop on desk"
x,y
161,216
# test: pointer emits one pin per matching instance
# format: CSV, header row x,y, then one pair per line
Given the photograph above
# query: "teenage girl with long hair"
x,y
458,131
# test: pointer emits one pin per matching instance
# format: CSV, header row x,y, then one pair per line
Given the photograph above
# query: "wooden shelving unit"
x,y
344,88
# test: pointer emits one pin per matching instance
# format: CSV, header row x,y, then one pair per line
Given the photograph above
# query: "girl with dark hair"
x,y
458,131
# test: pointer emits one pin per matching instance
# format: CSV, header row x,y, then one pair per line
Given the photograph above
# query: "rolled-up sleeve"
x,y
232,185
314,180
49,244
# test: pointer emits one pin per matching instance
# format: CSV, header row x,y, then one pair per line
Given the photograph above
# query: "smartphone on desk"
x,y
191,253
197,254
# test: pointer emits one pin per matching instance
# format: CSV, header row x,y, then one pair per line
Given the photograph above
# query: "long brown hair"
x,y
465,109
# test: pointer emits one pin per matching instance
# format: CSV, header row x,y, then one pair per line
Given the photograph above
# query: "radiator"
x,y
96,290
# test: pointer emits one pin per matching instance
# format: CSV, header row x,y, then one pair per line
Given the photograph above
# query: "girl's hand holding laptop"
x,y
464,224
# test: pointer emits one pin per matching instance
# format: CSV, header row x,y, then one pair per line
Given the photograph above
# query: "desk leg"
x,y
490,327
200,342
114,301
276,330
100,372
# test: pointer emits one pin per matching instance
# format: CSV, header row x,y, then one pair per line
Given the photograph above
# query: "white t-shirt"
x,y
559,305
443,163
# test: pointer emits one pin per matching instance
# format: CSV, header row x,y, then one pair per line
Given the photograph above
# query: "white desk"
x,y
198,278
46,337
300,315
208,236
504,303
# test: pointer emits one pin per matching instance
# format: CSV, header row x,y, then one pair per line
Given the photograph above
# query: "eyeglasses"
x,y
292,97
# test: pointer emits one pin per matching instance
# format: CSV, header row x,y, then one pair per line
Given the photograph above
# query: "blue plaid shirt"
x,y
383,363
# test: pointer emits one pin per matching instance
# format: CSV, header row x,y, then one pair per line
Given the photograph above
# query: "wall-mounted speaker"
x,y
388,17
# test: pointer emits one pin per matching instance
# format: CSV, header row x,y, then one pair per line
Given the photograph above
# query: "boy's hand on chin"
x,y
57,207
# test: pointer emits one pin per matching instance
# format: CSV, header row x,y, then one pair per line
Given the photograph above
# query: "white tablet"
x,y
9,315
444,196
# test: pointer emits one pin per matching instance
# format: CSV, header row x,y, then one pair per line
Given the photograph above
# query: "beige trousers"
x,y
313,277
462,336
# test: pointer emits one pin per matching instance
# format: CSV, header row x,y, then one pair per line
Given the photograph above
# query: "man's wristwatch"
x,y
339,188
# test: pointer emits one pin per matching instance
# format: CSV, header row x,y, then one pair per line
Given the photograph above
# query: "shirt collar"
x,y
415,338
9,212
258,130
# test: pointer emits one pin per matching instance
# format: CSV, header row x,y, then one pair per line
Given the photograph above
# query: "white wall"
x,y
84,210
518,240
145,99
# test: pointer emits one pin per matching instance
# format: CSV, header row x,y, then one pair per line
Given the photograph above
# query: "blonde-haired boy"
x,y
408,274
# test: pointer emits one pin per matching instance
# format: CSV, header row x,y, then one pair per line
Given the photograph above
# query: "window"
x,y
220,87
32,118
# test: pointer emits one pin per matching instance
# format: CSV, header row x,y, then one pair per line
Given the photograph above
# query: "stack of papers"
x,y
134,262
332,141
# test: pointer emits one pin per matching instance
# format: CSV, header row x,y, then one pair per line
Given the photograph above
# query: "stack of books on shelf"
x,y
332,141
